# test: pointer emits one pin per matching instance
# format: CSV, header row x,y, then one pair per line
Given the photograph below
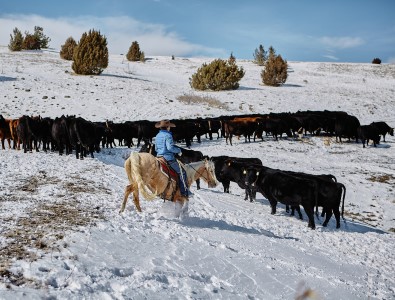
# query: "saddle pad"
x,y
166,169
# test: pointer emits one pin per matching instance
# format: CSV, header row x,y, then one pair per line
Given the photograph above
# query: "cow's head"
x,y
250,175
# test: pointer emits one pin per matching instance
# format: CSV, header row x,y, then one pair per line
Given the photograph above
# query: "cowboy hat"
x,y
164,123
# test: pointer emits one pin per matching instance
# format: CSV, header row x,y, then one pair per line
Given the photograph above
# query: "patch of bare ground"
x,y
383,178
369,218
196,99
41,229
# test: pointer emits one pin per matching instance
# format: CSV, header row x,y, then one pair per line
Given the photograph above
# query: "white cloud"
x,y
154,39
341,42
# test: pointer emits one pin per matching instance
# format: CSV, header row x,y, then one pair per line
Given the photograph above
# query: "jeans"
x,y
183,181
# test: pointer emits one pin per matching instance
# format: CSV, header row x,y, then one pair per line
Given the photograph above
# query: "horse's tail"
x,y
133,168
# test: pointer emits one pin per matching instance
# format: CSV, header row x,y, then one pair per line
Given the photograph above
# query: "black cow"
x,y
274,126
368,132
225,179
346,126
85,136
329,194
46,133
60,134
146,131
383,129
187,156
108,138
235,170
329,191
310,122
290,190
210,126
123,132
186,130
29,132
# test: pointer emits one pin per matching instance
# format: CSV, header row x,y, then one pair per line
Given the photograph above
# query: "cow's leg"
x,y
253,195
198,183
299,212
226,185
2,144
273,204
310,214
77,151
336,212
287,209
328,216
246,194
249,194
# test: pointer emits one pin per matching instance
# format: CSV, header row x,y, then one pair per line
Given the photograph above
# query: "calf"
x,y
368,132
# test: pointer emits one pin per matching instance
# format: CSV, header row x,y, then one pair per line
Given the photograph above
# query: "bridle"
x,y
201,174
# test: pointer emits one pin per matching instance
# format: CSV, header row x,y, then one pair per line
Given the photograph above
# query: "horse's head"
x,y
210,177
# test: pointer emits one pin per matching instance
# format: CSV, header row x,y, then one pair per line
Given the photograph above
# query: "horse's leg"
x,y
184,207
136,199
128,190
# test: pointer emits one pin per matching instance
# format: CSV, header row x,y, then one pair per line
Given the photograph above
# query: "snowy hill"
x,y
61,234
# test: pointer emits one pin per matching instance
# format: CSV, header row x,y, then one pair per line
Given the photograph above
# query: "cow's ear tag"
x,y
244,172
257,173
228,164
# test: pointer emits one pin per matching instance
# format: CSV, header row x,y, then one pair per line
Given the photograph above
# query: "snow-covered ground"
x,y
61,236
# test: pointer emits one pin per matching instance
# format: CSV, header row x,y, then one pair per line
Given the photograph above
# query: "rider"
x,y
164,146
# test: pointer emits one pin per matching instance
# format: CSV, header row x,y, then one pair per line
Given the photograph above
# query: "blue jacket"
x,y
164,145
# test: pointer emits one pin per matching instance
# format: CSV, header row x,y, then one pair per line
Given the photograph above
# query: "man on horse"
x,y
164,145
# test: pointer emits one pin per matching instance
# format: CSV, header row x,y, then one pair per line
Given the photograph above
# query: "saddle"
x,y
167,170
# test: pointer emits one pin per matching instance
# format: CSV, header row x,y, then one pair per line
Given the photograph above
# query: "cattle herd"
x,y
66,134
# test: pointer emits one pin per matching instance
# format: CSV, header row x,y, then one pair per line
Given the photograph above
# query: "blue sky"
x,y
299,30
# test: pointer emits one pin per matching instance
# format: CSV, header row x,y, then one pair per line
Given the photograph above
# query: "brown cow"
x,y
14,135
238,128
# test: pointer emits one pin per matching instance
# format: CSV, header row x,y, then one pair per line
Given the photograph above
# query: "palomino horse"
x,y
145,176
